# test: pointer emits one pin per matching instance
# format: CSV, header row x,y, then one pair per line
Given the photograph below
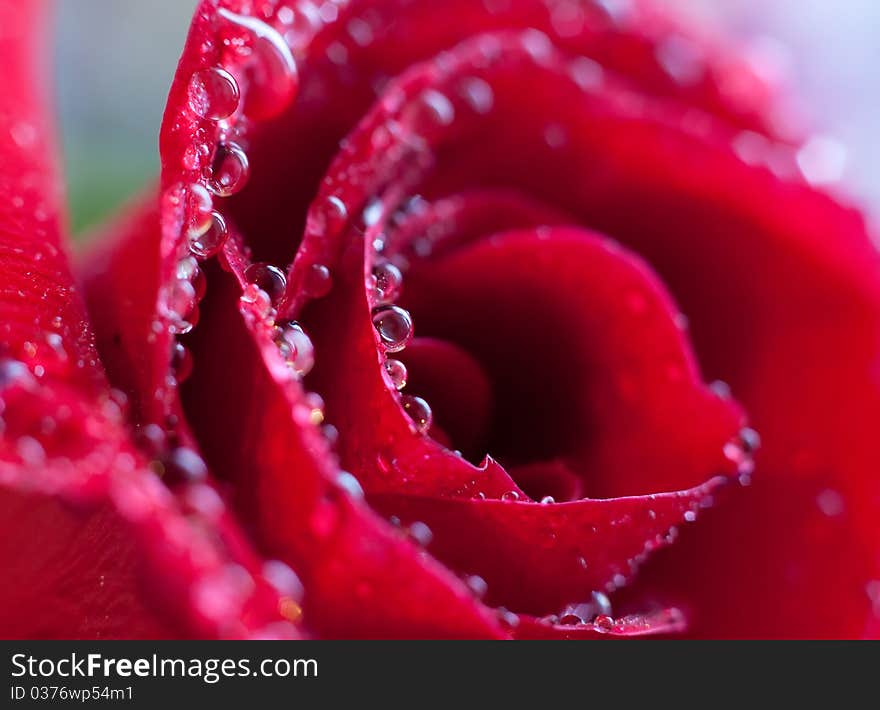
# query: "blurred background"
x,y
115,60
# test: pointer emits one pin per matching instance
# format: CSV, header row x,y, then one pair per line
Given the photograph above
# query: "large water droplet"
x,y
188,270
394,326
331,215
418,410
197,204
270,279
213,93
603,624
396,372
180,305
350,484
271,69
318,281
229,170
285,581
211,240
296,348
388,282
478,94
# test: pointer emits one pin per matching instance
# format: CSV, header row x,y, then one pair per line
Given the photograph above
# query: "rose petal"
x,y
42,316
262,440
98,546
536,558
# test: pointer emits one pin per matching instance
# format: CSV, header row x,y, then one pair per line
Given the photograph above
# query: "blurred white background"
x,y
115,60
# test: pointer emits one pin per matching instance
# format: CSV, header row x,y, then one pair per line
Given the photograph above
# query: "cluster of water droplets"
x,y
216,166
393,324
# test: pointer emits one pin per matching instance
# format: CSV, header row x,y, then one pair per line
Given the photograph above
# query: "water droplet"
x,y
547,500
262,304
388,282
197,206
271,71
478,94
418,410
188,270
682,59
211,240
296,348
213,94
331,434
603,624
285,581
180,305
229,170
332,215
185,464
12,371
268,278
318,281
507,618
151,438
181,361
510,496
477,585
431,111
601,603
394,326
350,484
555,135
420,534
831,503
751,440
721,389
690,516
396,372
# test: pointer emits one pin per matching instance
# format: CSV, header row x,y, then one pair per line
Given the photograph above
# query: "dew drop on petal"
x,y
180,305
151,438
388,282
213,94
271,70
750,439
285,581
332,215
601,603
350,484
603,624
394,326
211,240
420,533
507,618
229,170
181,361
197,204
547,500
185,464
510,496
477,585
296,348
188,270
268,278
418,410
396,372
318,281
478,94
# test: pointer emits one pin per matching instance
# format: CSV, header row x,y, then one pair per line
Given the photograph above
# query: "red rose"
x,y
413,342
